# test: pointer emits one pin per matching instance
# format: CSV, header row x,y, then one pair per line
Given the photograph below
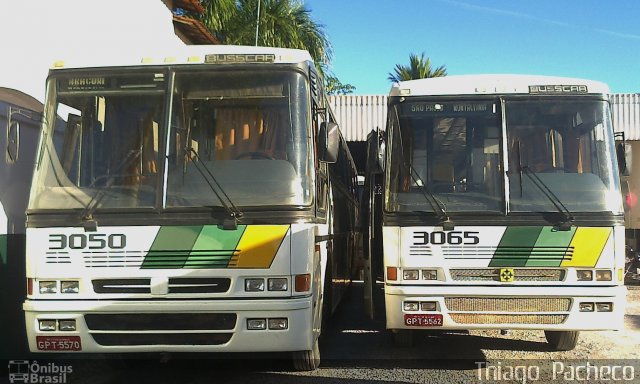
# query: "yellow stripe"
x,y
259,245
588,244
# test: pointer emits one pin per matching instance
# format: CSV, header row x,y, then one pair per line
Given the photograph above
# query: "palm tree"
x,y
282,23
418,68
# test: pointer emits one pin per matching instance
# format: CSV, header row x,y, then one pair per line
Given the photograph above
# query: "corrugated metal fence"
x,y
625,112
358,115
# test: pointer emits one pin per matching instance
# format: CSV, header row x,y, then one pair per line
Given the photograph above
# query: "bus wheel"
x,y
562,340
307,360
402,338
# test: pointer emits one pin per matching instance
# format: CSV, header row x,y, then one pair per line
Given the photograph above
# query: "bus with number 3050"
x,y
499,205
202,202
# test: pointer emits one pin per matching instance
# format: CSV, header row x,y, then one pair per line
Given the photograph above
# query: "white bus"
x,y
501,208
203,202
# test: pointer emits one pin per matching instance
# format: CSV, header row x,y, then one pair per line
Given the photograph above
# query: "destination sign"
x,y
86,83
558,89
147,81
239,58
448,108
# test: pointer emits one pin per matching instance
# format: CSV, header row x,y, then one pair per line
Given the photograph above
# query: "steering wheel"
x,y
255,155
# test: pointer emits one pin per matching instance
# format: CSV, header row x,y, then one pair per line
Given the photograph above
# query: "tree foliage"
x,y
282,23
418,68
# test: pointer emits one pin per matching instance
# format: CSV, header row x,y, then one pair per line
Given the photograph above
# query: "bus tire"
x,y
562,340
402,338
307,360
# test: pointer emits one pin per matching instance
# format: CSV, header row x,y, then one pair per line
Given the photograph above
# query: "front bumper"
x,y
485,307
150,325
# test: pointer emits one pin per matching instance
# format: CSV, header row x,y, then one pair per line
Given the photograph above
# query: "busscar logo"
x,y
558,89
507,275
24,371
239,58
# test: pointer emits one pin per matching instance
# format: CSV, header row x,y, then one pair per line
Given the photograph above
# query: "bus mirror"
x,y
623,153
329,141
375,153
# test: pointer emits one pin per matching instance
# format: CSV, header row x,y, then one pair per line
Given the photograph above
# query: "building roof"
x,y
189,5
194,29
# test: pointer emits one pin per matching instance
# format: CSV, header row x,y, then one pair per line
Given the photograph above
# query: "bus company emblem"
x,y
558,89
239,58
507,275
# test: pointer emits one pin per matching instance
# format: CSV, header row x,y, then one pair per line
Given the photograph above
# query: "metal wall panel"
x,y
625,112
357,115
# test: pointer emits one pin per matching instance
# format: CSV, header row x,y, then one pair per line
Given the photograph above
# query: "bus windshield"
x,y
447,149
451,152
566,144
249,131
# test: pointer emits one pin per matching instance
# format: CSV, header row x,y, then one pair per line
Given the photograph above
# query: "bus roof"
x,y
497,84
191,55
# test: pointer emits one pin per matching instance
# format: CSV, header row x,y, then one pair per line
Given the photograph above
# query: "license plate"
x,y
59,343
423,320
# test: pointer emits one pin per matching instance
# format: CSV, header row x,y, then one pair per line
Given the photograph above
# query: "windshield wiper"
x,y
88,222
231,222
567,216
445,221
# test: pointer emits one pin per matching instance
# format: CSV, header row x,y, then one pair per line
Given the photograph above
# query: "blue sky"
x,y
591,39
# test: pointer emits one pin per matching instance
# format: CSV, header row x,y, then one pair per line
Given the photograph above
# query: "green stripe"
x,y
551,247
179,240
515,247
213,239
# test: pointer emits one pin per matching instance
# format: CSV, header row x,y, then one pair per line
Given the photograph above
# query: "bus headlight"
x,y
586,307
47,325
430,274
69,287
48,287
256,324
411,305
428,306
604,307
254,285
278,324
604,275
67,325
277,284
410,274
584,274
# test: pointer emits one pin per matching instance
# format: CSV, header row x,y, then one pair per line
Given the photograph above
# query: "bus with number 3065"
x,y
201,202
499,207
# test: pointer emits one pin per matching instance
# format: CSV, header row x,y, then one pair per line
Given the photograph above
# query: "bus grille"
x,y
161,328
483,318
520,274
157,259
160,321
174,285
120,339
498,304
